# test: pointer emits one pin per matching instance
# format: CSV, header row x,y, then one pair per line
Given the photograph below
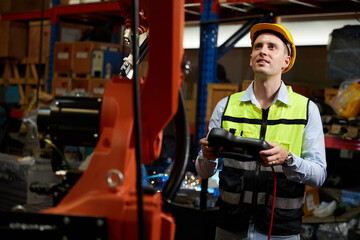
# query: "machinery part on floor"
x,y
72,121
49,226
57,191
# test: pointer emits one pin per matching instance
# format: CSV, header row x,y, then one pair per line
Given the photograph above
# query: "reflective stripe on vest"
x,y
281,203
249,166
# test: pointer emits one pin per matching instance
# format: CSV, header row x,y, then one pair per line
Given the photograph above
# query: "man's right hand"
x,y
208,152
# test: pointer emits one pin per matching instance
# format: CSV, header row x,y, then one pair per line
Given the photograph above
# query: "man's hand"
x,y
208,152
273,156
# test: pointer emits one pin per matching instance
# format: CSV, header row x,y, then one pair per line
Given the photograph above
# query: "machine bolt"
x,y
114,178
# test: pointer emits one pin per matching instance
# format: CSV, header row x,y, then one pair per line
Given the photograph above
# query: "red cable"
x,y
273,204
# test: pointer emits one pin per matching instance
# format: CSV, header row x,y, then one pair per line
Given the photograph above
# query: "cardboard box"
x,y
216,92
311,200
72,32
13,40
80,84
60,86
34,38
97,86
64,85
63,57
82,54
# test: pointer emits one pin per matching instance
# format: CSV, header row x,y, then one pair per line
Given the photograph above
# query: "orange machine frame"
x,y
115,150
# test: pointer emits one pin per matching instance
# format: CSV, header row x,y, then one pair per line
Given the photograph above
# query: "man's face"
x,y
269,56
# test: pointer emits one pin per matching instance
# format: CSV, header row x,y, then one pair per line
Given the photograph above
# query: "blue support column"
x,y
207,65
53,38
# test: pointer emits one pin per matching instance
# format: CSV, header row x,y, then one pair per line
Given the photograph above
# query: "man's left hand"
x,y
276,155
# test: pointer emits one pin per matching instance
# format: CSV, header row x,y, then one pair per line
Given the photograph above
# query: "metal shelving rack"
x,y
209,52
340,143
54,15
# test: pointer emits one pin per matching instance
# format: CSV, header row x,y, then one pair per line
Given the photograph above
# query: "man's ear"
x,y
250,60
287,61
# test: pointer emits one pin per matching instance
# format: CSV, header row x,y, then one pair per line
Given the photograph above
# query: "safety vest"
x,y
242,181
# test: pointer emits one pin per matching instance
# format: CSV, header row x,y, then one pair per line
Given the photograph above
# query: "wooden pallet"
x,y
26,81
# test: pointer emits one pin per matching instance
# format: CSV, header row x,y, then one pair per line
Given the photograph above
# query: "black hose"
x,y
137,120
182,151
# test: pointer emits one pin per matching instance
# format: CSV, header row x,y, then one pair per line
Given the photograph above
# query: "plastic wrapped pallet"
x,y
344,54
13,182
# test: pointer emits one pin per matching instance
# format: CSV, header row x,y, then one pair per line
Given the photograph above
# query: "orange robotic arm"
x,y
107,187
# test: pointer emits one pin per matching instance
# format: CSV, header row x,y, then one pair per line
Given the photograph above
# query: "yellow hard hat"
x,y
284,35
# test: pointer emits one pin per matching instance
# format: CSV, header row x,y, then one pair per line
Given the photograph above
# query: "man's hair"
x,y
279,35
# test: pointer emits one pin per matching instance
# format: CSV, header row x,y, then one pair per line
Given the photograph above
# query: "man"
x,y
290,123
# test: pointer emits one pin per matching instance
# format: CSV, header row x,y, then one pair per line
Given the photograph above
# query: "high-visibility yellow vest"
x,y
281,123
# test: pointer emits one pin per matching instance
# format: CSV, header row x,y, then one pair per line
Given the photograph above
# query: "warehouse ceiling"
x,y
283,8
233,9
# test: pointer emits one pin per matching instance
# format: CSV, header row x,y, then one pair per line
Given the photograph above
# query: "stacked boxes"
x,y
84,66
82,55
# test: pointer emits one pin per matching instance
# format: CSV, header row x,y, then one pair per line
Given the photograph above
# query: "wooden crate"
x,y
34,38
9,68
13,40
5,6
29,5
216,92
82,54
21,71
63,58
32,69
330,93
97,86
190,106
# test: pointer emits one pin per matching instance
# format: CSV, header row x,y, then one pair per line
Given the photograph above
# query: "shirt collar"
x,y
282,95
